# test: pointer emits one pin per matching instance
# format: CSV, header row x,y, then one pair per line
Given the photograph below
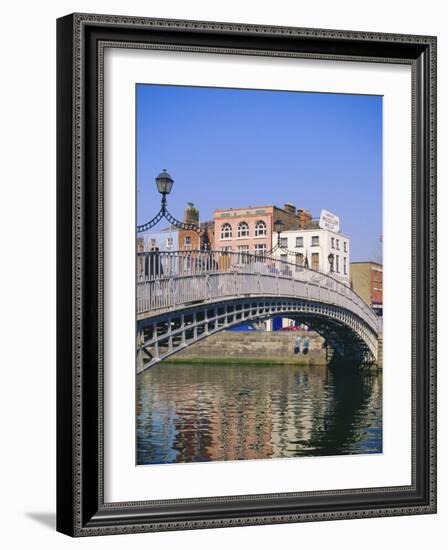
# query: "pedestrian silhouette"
x,y
153,265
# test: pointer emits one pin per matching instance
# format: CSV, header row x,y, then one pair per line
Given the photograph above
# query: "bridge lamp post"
x,y
331,261
278,228
164,184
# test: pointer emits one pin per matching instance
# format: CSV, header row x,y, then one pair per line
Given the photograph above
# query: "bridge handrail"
x,y
162,265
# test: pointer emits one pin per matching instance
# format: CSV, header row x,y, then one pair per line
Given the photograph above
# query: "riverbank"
x,y
253,348
299,360
256,348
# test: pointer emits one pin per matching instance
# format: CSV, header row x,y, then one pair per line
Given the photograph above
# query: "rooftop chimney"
x,y
290,208
304,217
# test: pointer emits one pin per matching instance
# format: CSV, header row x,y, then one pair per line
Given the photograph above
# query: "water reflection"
x,y
189,413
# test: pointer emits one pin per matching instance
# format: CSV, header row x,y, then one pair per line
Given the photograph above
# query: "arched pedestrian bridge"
x,y
185,296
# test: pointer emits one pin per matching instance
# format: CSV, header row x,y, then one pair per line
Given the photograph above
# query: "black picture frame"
x,y
81,510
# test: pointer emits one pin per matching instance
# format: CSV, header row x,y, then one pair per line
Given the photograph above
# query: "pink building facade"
x,y
249,230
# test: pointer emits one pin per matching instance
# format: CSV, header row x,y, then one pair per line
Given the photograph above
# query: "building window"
x,y
187,242
299,242
345,265
284,257
226,231
244,251
332,242
315,260
315,240
260,250
300,260
337,264
169,243
226,248
152,243
345,246
260,228
243,230
337,244
284,242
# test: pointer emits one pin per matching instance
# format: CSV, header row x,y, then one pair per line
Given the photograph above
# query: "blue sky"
x,y
235,148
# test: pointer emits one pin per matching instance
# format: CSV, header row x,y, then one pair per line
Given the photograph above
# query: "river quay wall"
x,y
253,347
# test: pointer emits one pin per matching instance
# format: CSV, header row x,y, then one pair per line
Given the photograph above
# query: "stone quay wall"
x,y
275,347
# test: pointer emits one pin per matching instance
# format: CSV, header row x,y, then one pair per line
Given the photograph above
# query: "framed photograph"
x,y
246,274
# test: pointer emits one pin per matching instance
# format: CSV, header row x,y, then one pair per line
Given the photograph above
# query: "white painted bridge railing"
x,y
168,280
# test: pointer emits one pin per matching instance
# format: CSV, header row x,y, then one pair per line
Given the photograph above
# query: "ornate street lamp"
x,y
164,184
331,261
278,228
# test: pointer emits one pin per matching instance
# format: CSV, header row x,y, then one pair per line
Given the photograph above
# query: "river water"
x,y
189,413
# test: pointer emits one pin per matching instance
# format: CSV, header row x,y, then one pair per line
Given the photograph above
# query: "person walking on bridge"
x,y
153,263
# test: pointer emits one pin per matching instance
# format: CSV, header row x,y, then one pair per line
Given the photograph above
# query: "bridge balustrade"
x,y
171,279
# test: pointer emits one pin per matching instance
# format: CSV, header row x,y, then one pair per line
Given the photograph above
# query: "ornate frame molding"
x,y
81,42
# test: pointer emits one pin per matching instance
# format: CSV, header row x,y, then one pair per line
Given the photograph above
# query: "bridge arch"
x,y
350,340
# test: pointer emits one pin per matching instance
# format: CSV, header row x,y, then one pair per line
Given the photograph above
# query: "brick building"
x,y
189,239
250,229
367,281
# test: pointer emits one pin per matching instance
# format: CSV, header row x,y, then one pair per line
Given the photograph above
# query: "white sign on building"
x,y
329,221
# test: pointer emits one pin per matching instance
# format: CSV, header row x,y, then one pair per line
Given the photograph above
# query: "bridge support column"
x,y
140,342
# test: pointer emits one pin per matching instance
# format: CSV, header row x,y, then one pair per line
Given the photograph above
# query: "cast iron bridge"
x,y
185,296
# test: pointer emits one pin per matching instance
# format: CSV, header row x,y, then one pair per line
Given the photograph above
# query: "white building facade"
x,y
165,240
319,245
